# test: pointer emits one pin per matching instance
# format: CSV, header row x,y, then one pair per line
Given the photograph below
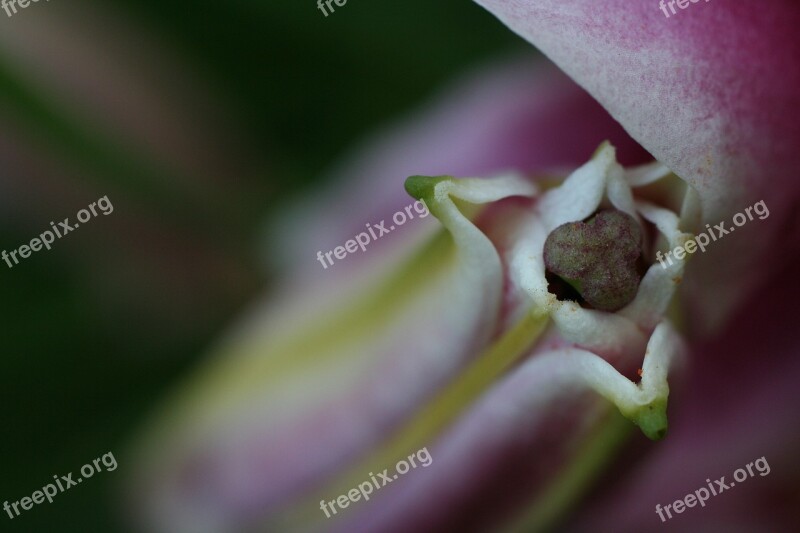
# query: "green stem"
x,y
550,506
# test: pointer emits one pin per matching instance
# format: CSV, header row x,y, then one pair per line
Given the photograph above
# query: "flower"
x,y
701,96
462,347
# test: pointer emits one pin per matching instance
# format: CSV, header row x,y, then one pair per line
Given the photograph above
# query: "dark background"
x,y
96,330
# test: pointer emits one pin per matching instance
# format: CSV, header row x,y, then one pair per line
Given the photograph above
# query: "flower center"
x,y
597,259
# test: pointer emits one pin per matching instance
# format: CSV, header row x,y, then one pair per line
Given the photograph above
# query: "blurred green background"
x,y
97,330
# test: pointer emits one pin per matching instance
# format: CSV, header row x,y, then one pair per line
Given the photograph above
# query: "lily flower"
x,y
520,338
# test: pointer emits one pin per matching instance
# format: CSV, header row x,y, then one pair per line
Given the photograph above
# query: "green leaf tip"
x,y
603,145
421,187
652,419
